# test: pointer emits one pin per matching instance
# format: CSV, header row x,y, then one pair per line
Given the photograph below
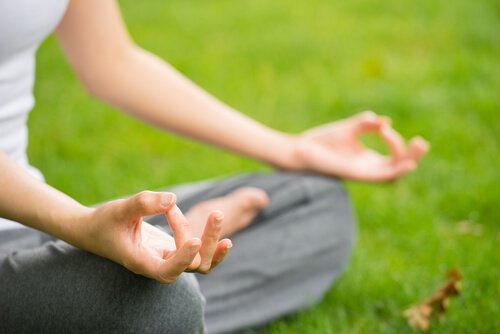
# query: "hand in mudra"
x,y
116,231
335,149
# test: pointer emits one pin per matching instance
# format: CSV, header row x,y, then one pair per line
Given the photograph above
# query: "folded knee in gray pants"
x,y
286,260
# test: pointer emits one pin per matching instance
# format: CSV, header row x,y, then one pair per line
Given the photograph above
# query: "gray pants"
x,y
285,261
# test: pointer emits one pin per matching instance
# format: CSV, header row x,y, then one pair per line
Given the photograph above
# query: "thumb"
x,y
148,203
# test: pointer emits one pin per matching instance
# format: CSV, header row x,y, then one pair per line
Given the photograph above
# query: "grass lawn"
x,y
431,65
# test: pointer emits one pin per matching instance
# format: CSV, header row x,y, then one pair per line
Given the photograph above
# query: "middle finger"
x,y
209,240
179,225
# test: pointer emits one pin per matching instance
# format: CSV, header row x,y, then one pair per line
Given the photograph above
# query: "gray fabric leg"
x,y
52,287
289,256
284,261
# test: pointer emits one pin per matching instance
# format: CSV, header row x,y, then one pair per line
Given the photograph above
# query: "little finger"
x,y
220,253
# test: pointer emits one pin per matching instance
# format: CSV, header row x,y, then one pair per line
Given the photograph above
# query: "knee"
x,y
328,193
323,187
173,308
310,186
318,206
334,219
92,294
131,303
331,229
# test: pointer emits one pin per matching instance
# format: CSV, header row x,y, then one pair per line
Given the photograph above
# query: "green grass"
x,y
432,65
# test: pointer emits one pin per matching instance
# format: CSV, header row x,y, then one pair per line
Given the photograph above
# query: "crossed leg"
x,y
288,256
285,259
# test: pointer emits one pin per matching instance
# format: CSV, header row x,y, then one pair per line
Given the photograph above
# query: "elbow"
x,y
91,88
94,82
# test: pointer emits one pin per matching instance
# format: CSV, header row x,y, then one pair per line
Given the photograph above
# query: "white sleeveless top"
x,y
24,24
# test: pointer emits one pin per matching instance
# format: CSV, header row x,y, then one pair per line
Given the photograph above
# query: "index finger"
x,y
179,225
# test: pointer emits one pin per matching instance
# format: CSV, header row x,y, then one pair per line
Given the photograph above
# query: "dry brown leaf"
x,y
418,316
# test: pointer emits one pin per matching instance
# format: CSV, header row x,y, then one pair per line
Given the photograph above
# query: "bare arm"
x,y
114,69
35,204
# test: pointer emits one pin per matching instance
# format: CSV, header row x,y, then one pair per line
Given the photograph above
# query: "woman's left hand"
x,y
335,149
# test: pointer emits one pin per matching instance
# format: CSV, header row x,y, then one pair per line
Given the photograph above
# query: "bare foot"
x,y
238,207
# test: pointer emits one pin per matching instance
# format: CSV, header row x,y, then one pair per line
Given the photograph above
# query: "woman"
x,y
292,232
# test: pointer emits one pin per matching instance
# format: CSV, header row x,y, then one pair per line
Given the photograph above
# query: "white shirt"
x,y
24,24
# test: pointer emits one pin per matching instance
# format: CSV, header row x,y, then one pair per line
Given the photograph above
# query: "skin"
x,y
112,68
240,207
115,230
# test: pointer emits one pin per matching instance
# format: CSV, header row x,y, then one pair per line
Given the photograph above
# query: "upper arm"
x,y
93,37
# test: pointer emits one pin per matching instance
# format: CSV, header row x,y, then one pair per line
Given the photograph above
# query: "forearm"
x,y
36,204
96,42
150,89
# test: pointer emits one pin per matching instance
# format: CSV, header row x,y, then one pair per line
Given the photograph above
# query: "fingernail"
x,y
166,199
218,221
195,247
176,210
369,114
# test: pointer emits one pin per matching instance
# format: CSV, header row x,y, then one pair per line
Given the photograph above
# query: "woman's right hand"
x,y
116,231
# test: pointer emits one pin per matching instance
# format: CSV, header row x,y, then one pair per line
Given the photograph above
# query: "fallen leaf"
x,y
418,316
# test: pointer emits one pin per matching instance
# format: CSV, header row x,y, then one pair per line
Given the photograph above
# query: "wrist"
x,y
284,153
71,224
80,234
